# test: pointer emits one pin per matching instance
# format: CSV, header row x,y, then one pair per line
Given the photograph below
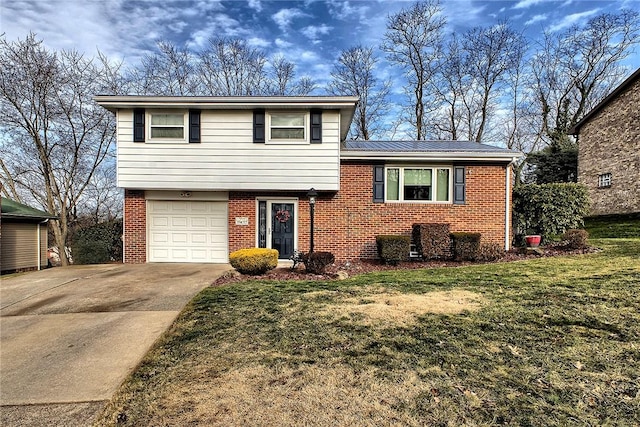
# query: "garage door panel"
x,y
184,231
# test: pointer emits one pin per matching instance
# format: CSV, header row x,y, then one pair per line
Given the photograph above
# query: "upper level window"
x,y
166,126
604,180
287,127
426,184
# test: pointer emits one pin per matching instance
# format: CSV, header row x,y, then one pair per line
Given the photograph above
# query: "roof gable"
x,y
613,95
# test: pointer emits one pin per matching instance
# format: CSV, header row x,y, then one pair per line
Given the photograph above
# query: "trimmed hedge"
x,y
393,249
316,262
254,260
549,209
490,252
466,246
575,239
432,241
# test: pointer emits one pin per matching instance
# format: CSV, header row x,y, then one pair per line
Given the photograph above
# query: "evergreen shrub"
x,y
433,241
465,245
254,260
393,249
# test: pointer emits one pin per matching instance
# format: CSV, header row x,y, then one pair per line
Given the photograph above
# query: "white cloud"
x,y
284,17
255,5
313,32
258,42
339,9
572,19
536,18
283,44
525,4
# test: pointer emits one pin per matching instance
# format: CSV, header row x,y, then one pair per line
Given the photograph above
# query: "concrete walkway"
x,y
69,336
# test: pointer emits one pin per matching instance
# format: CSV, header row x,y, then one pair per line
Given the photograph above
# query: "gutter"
x,y
430,155
507,205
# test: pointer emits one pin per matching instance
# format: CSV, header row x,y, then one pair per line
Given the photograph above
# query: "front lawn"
x,y
552,341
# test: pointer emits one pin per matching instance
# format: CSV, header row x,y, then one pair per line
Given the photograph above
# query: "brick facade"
x,y
135,227
347,222
609,142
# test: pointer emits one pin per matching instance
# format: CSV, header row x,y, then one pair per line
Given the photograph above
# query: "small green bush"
x,y
575,239
316,262
466,246
490,252
549,209
97,243
393,249
433,241
254,260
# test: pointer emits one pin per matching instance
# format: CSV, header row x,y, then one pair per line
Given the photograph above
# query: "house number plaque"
x,y
242,220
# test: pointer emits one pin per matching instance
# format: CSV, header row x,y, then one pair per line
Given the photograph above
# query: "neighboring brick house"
x,y
204,176
609,150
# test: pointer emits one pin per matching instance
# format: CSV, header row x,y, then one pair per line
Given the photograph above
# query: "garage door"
x,y
181,231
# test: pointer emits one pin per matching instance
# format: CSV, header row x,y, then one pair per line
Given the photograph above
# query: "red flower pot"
x,y
533,241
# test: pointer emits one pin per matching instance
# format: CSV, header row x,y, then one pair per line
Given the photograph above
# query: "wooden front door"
x,y
282,229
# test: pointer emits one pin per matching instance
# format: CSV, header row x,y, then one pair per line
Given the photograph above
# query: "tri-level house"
x,y
205,176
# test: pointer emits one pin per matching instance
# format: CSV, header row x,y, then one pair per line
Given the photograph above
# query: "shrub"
x,y
432,240
254,260
465,246
393,249
490,252
316,262
97,243
549,209
575,239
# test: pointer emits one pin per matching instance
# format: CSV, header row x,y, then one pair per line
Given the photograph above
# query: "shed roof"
x,y
15,210
433,150
614,94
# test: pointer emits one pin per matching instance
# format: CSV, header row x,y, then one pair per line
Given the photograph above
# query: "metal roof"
x,y
15,210
443,150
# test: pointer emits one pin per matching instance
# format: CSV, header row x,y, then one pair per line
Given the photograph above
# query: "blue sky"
x,y
309,33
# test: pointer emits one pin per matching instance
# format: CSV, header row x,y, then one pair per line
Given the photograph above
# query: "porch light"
x,y
311,194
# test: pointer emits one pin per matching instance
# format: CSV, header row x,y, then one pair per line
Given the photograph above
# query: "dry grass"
x,y
544,342
403,309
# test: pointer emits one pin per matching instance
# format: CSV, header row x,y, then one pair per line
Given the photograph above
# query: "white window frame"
x,y
185,128
434,169
604,180
305,128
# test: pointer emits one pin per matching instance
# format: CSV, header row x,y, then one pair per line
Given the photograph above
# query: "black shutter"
x,y
458,185
258,126
194,125
316,126
138,125
378,184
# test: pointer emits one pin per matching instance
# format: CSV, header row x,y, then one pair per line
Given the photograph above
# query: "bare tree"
x,y
55,137
283,80
413,41
170,71
230,67
574,69
491,53
354,74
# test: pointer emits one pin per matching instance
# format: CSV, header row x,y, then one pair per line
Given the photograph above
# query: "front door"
x,y
282,229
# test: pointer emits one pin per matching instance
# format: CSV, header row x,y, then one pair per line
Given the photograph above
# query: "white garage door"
x,y
181,231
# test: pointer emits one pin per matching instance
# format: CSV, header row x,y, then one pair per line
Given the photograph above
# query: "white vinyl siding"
x,y
227,158
187,231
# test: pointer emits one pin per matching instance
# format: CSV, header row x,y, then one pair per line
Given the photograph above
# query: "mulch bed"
x,y
356,267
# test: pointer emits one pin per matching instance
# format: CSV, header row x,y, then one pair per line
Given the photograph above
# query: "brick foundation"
x,y
135,227
347,222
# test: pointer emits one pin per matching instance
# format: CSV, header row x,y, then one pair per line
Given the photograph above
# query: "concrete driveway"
x,y
69,336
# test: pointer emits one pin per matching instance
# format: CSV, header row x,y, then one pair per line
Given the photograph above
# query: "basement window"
x,y
604,180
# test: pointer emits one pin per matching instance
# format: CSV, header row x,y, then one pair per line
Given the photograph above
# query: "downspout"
x,y
507,206
39,242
